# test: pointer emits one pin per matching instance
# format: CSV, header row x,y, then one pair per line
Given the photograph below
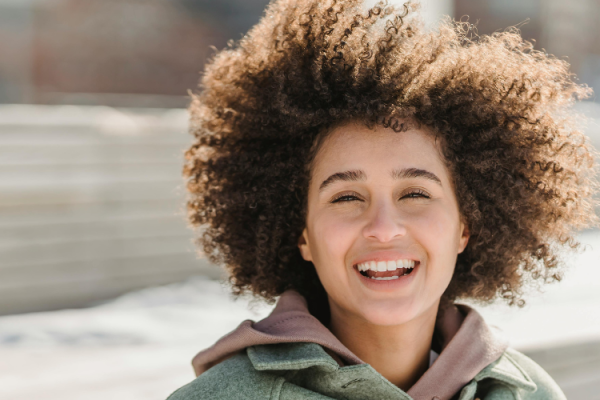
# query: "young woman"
x,y
368,174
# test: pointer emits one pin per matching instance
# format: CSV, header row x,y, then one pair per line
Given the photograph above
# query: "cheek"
x,y
333,237
437,231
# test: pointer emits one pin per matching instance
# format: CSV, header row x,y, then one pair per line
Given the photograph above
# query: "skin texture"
x,y
389,327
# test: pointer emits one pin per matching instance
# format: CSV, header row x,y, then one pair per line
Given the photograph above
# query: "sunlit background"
x,y
102,294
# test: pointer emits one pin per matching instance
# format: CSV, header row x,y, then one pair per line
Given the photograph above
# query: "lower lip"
x,y
389,285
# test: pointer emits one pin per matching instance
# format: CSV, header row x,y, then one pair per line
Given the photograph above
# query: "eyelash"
x,y
418,192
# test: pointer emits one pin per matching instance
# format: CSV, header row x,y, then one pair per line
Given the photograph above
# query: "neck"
x,y
398,352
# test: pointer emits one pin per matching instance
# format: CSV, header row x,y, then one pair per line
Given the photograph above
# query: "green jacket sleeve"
x,y
234,378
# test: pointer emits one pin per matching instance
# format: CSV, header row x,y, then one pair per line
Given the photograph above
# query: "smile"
x,y
386,270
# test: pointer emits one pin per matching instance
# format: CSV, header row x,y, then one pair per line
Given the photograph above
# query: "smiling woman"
x,y
368,175
399,206
383,236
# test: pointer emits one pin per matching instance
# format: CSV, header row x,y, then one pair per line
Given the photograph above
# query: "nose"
x,y
384,224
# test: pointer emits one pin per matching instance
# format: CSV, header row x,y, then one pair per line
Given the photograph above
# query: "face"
x,y
383,228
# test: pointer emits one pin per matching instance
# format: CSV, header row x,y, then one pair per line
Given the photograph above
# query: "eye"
x,y
344,198
415,194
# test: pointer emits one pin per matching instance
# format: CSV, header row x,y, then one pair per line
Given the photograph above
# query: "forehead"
x,y
354,145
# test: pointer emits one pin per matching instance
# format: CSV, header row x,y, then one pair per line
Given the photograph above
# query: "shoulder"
x,y
234,378
547,388
516,376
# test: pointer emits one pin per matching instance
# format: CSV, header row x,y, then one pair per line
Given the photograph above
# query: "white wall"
x,y
91,204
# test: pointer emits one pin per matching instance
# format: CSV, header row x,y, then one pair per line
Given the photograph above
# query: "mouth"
x,y
386,270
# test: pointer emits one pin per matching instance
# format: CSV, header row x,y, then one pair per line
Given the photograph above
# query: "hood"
x,y
467,342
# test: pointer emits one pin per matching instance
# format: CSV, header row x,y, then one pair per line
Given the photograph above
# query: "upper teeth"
x,y
386,265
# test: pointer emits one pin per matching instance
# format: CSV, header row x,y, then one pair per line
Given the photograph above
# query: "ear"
x,y
304,247
464,238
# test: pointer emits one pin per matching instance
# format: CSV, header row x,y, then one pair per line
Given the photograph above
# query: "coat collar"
x,y
467,342
290,356
508,371
299,356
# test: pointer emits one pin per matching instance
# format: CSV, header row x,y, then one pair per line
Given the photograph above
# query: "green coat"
x,y
304,371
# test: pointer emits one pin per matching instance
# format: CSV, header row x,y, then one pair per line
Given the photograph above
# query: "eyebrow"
x,y
359,175
407,173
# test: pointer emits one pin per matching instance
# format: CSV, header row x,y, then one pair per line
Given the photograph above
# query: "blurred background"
x,y
102,294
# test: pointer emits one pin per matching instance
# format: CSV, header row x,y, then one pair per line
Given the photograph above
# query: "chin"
x,y
389,312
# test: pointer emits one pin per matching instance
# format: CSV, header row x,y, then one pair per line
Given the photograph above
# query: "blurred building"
x,y
150,52
114,52
91,204
91,201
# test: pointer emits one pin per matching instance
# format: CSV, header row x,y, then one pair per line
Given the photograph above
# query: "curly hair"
x,y
524,174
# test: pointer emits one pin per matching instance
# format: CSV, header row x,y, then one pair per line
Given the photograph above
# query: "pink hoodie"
x,y
468,344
